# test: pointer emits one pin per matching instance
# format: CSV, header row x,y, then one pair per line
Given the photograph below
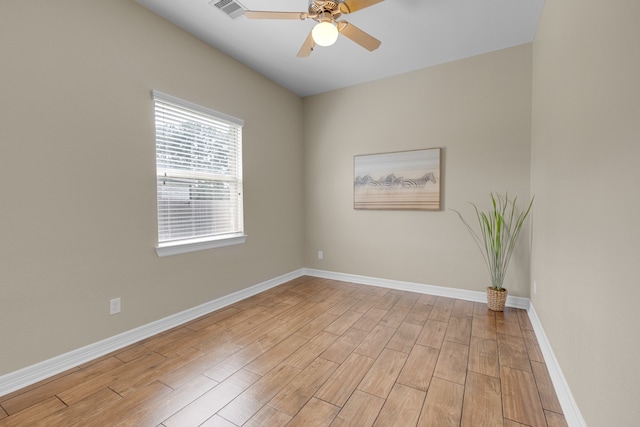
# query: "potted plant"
x,y
499,230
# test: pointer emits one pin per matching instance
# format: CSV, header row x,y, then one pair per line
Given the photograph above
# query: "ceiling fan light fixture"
x,y
325,33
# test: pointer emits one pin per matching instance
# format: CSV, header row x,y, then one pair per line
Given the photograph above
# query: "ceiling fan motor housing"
x,y
322,7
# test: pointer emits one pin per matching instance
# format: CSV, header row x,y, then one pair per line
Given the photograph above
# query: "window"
x,y
199,174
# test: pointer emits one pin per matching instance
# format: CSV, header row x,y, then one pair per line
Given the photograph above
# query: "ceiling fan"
x,y
326,13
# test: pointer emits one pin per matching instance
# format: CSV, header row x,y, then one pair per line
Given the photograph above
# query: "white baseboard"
x,y
569,406
31,374
476,296
24,377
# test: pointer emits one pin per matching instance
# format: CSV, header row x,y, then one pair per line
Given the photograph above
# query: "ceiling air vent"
x,y
232,8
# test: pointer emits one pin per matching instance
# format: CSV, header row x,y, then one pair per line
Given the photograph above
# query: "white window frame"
x,y
199,242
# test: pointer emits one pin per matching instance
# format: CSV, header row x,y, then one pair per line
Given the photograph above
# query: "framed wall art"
x,y
397,181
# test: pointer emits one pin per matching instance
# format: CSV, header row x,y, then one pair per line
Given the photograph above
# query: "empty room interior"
x,y
555,118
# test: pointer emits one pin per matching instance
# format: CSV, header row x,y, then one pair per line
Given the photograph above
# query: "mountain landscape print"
x,y
396,181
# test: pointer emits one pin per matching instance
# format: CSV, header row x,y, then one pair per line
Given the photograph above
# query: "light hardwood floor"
x,y
312,352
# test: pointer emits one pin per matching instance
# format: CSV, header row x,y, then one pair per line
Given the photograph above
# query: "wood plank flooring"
x,y
312,352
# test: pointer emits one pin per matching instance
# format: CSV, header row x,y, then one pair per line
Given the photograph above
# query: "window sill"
x,y
193,245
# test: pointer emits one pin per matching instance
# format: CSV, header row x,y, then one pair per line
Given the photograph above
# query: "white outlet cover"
x,y
114,306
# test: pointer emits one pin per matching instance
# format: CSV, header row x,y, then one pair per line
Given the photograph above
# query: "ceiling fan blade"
x,y
307,47
350,6
253,14
357,35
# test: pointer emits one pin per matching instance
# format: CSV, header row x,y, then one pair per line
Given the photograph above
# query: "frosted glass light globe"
x,y
324,34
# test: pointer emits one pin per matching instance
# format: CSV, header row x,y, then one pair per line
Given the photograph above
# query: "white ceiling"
x,y
414,33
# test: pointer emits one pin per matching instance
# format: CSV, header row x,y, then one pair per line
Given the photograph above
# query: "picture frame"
x,y
402,180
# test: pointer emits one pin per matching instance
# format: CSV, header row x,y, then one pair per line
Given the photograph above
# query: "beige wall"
x,y
77,174
585,174
478,110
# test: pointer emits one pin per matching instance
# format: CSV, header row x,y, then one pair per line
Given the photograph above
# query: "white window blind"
x,y
199,172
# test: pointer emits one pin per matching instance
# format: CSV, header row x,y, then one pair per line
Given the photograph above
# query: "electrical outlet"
x,y
320,255
114,306
535,288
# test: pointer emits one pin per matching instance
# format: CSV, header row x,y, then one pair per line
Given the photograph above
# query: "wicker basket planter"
x,y
496,299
